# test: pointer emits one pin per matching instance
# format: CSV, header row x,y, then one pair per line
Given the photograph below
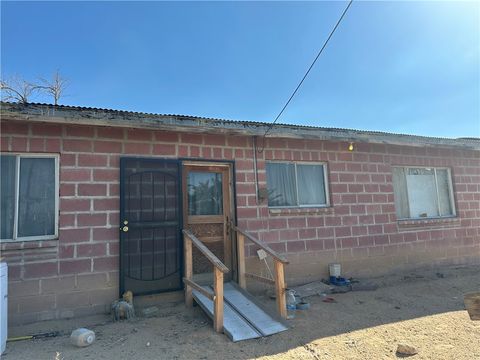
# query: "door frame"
x,y
180,161
229,166
123,159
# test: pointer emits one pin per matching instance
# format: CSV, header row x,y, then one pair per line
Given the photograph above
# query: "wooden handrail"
x,y
259,278
218,270
279,262
206,251
264,246
199,288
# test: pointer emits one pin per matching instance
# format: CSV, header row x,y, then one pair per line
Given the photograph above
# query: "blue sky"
x,y
409,67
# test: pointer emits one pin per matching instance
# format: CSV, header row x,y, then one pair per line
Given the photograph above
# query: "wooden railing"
x,y
279,262
219,269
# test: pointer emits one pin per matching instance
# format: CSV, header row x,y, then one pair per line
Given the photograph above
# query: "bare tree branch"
x,y
17,89
55,87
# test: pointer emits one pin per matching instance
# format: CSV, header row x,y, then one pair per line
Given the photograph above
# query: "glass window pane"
x,y
36,203
400,193
311,185
422,193
281,184
444,193
7,195
205,193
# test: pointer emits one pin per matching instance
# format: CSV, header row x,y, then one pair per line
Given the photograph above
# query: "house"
x,y
93,201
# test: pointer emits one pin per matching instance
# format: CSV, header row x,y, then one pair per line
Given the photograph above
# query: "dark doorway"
x,y
150,226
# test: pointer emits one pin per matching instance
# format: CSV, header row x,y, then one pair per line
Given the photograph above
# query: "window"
x,y
205,193
296,184
28,197
422,192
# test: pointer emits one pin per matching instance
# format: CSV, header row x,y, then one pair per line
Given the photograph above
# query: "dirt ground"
x,y
423,308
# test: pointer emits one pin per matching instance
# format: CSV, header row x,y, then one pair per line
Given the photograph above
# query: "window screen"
x,y
29,191
422,192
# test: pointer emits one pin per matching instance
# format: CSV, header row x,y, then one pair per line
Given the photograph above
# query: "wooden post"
x,y
241,260
187,246
218,301
280,289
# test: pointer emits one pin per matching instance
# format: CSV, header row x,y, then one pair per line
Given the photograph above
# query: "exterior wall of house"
x,y
78,273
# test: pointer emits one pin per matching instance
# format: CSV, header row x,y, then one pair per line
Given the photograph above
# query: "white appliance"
x,y
3,305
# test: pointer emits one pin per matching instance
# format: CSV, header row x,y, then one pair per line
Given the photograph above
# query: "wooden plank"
x,y
205,219
280,289
259,278
187,246
241,260
218,300
205,251
472,304
199,288
209,240
264,246
227,211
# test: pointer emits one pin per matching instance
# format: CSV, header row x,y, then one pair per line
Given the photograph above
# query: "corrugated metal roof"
x,y
136,118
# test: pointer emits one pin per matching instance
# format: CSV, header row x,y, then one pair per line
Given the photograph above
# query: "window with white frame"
x,y
296,184
423,192
28,197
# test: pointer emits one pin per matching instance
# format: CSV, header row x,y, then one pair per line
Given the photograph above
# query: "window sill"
x,y
412,223
301,210
6,245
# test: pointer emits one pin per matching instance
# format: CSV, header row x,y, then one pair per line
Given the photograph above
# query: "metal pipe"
x,y
255,166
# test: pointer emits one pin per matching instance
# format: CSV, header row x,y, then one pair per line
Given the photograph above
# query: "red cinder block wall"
x,y
78,273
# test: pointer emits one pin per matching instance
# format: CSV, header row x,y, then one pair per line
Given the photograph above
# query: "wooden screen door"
x,y
207,207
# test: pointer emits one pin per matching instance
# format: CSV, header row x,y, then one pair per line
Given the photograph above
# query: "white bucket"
x,y
335,269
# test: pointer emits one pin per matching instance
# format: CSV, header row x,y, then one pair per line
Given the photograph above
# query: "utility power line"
x,y
308,71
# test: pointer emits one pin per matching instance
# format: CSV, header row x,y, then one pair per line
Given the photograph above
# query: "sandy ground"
x,y
424,309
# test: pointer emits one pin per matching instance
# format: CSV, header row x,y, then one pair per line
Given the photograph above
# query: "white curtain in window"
x,y
281,184
7,194
444,192
36,197
311,185
400,193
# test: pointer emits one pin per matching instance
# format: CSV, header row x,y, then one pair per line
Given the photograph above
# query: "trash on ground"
x,y
339,281
291,304
343,285
82,337
310,289
36,336
329,300
405,349
302,305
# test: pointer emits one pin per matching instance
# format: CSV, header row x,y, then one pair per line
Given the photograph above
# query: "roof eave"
x,y
204,125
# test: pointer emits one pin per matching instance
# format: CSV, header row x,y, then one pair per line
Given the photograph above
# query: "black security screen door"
x,y
150,225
